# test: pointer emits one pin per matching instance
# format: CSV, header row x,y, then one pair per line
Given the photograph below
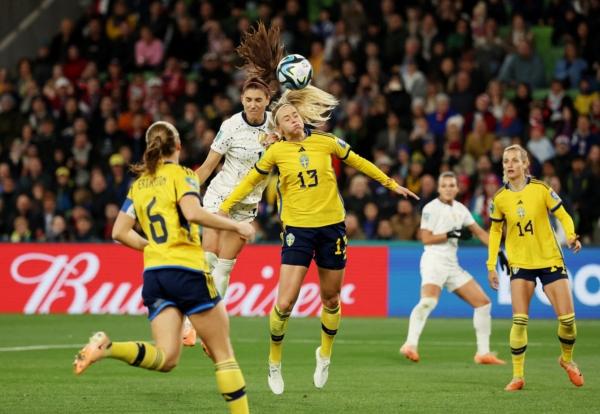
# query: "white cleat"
x,y
275,379
321,370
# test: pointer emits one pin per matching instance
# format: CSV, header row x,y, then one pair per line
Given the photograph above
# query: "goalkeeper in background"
x,y
524,204
444,221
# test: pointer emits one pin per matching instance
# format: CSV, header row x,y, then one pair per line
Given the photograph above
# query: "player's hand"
x,y
246,231
454,234
267,140
503,262
405,192
574,244
493,279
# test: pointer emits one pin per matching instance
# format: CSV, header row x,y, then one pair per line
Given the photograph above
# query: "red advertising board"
x,y
106,278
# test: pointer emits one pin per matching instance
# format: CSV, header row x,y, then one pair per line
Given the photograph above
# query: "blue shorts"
x,y
547,274
327,245
188,290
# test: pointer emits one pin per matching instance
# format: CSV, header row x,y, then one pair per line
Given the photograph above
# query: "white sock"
x,y
221,274
482,322
211,260
418,318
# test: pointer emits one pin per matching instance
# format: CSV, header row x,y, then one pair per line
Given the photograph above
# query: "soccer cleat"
x,y
573,372
488,359
188,333
410,352
92,352
321,370
516,384
275,379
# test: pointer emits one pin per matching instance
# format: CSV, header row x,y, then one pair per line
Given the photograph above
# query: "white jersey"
x,y
239,142
440,218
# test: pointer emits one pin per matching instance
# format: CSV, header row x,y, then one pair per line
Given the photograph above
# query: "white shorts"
x,y
239,212
447,275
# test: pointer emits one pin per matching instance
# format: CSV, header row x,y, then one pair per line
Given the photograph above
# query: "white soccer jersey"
x,y
239,142
440,218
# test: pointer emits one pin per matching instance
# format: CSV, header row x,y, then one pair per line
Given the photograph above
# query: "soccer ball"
x,y
294,72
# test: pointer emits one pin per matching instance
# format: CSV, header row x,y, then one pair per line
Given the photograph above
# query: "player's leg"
x,y
162,356
521,291
430,294
559,295
230,245
330,281
210,245
472,293
290,281
213,327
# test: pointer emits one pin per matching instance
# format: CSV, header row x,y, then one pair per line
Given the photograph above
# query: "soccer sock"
x,y
221,274
138,354
567,333
482,322
277,325
417,320
211,260
232,386
330,322
518,343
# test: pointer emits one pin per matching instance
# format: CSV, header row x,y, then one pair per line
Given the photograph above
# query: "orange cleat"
x,y
488,359
410,352
516,384
188,333
573,372
92,352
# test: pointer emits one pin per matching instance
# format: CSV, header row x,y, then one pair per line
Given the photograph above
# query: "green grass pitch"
x,y
367,375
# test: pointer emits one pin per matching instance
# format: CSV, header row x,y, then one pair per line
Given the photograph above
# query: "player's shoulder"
x,y
178,170
501,193
235,121
432,205
322,134
539,184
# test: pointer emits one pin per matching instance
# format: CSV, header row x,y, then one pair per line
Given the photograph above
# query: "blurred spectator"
x,y
405,223
524,65
353,228
539,145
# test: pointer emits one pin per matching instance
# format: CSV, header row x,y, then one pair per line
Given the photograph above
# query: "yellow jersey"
x,y
530,240
153,200
307,189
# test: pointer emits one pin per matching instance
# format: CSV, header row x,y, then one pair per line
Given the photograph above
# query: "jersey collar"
x,y
527,181
245,118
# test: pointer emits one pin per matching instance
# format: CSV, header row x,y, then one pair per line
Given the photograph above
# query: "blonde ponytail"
x,y
161,141
313,104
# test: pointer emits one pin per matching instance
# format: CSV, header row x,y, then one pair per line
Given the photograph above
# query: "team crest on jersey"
x,y
304,160
492,208
426,216
289,239
342,143
192,183
520,212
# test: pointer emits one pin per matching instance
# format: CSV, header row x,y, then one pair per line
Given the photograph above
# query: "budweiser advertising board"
x,y
107,278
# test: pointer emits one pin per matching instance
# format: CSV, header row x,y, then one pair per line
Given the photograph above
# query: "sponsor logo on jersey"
x,y
304,161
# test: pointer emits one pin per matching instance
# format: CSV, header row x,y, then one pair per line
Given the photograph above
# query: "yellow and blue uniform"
x,y
175,273
310,205
533,252
531,244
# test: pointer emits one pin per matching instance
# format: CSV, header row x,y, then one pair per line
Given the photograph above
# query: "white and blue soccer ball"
x,y
294,72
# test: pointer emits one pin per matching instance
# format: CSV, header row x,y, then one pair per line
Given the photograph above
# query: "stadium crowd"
x,y
424,87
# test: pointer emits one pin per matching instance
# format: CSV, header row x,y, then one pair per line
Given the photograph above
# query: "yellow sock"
x,y
518,343
232,386
330,322
278,326
139,354
567,333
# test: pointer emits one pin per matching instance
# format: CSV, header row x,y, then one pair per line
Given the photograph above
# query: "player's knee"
x,y
483,301
285,306
331,302
169,365
427,303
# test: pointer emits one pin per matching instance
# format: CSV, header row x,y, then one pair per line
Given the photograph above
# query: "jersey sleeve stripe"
x,y
192,193
347,154
126,204
261,171
496,220
556,207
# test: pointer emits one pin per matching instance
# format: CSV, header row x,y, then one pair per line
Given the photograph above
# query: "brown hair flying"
x,y
261,50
